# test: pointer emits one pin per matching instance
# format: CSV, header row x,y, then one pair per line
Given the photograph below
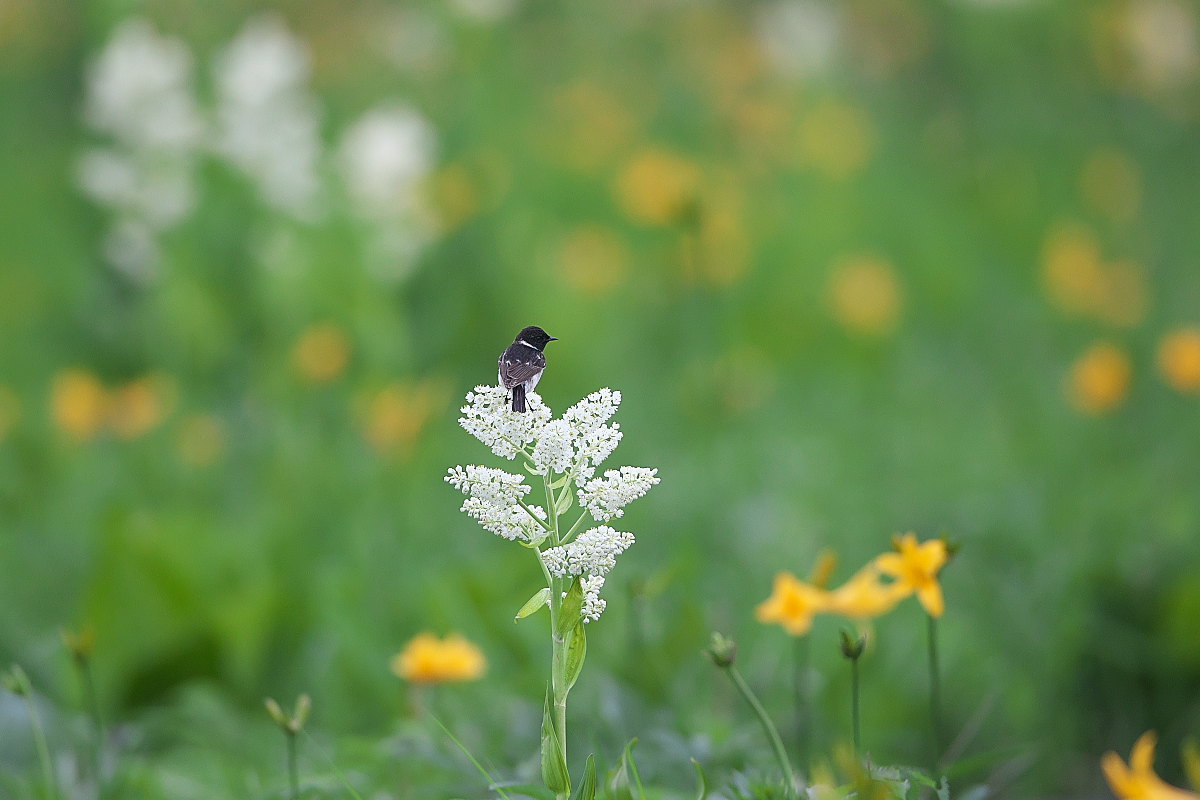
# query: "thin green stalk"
x,y
854,707
39,742
800,667
293,766
558,650
935,692
92,703
768,727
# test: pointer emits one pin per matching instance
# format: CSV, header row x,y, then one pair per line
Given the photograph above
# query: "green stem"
x,y
935,692
570,535
293,766
558,650
800,667
93,705
39,742
854,707
767,726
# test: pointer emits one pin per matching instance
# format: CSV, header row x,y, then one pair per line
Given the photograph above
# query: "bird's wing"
x,y
519,367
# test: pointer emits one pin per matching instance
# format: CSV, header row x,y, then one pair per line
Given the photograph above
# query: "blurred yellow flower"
x,y
864,295
427,659
139,406
10,410
1179,359
1137,780
1078,281
793,604
724,246
588,126
867,595
1111,183
836,139
395,417
657,187
915,566
78,403
822,571
1099,380
201,440
593,259
321,353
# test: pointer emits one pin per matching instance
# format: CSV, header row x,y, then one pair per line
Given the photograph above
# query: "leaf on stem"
x,y
533,604
587,784
571,611
576,652
619,784
554,764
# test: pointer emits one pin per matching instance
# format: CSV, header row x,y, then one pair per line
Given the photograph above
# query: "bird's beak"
x,y
554,338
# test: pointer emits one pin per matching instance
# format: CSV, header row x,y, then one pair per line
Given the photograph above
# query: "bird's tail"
x,y
518,394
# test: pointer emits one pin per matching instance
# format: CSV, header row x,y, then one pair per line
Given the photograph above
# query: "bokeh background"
x,y
858,267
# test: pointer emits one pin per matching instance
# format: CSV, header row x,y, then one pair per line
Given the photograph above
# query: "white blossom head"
x,y
493,498
488,416
593,603
606,498
594,552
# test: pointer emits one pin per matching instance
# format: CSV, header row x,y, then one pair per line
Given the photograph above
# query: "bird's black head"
x,y
535,337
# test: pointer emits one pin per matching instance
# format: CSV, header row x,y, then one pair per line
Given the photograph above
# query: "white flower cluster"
x,y
489,417
571,447
265,122
268,124
593,603
139,95
492,498
606,497
594,552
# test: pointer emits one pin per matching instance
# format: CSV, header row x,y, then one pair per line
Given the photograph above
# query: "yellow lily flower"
x,y
915,567
427,659
866,595
793,604
1137,781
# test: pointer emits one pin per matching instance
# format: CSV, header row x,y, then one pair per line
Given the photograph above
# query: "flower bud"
x,y
722,650
852,648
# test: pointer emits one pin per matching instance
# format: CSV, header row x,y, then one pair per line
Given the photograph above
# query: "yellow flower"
x,y
427,659
78,403
1179,359
1079,281
864,295
139,406
395,417
915,567
594,259
793,604
1099,380
836,139
1137,781
321,353
866,595
656,187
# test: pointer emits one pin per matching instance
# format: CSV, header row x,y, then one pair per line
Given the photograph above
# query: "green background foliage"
x,y
267,533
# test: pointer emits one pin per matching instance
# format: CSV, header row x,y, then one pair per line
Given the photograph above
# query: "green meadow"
x,y
858,269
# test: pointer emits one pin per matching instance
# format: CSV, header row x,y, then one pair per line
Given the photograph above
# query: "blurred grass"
x,y
313,535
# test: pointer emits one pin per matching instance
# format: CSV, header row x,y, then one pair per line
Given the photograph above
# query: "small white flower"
x,y
593,440
553,452
606,497
488,416
593,604
594,552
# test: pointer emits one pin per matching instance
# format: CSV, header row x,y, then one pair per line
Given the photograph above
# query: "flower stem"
x,y
935,692
39,742
558,649
768,727
93,706
293,766
800,667
854,707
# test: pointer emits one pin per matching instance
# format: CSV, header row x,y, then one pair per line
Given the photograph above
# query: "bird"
x,y
522,362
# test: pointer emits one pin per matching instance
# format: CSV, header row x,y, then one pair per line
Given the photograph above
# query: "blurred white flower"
x,y
1162,37
138,90
800,37
268,123
606,498
383,157
131,248
412,39
484,11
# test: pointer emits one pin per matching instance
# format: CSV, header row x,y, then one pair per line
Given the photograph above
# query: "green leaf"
x,y
576,652
702,789
533,604
560,482
564,503
554,765
571,610
587,784
530,468
621,779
